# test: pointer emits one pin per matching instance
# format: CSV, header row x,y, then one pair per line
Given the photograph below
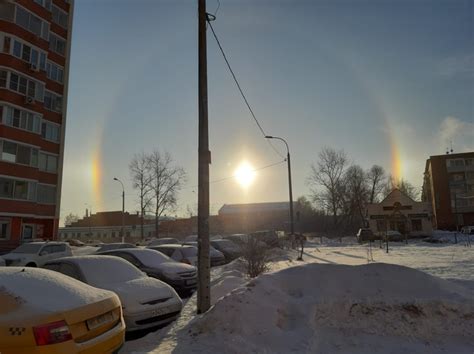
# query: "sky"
x,y
389,82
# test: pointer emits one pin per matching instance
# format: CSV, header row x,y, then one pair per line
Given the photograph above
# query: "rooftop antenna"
x,y
451,142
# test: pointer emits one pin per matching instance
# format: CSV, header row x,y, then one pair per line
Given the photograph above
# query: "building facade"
x,y
448,186
398,212
106,227
35,42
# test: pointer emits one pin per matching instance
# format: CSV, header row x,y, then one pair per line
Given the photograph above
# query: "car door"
x,y
46,254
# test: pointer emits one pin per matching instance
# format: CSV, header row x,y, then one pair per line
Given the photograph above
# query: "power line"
x,y
238,86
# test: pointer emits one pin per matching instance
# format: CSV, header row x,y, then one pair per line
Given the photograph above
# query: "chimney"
x,y
87,212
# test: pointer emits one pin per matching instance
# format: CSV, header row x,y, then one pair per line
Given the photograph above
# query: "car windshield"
x,y
152,258
28,248
109,270
224,244
189,251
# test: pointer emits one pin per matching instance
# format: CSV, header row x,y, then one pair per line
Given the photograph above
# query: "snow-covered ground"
x,y
323,307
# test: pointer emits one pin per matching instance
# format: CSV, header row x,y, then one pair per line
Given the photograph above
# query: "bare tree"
x,y
140,172
326,180
166,181
355,194
403,185
375,180
70,219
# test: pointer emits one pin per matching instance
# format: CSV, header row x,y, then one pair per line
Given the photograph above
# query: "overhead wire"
x,y
209,19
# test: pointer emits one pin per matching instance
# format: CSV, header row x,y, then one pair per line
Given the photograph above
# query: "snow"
x,y
38,290
320,308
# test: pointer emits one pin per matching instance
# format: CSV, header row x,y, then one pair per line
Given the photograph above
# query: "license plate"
x,y
98,321
191,282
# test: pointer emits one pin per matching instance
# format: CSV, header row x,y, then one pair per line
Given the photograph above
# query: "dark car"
x,y
114,246
217,257
230,250
182,277
180,253
364,235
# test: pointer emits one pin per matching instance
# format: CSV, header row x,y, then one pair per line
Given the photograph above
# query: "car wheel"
x,y
31,265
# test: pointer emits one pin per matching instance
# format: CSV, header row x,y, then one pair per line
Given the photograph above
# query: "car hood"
x,y
15,256
135,292
216,254
175,267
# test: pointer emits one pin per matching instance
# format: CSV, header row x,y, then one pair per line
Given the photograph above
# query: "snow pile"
x,y
441,236
322,308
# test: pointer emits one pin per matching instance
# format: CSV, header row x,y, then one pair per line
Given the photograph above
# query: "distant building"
x,y
106,227
35,41
398,212
236,218
448,186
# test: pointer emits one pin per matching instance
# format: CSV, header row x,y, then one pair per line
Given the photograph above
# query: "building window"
x,y
50,131
45,3
57,44
17,189
18,153
4,229
59,16
29,54
46,194
3,78
416,225
22,119
470,162
48,163
26,87
53,102
456,177
54,72
31,23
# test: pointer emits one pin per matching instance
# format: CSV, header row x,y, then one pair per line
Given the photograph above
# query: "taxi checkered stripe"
x,y
16,331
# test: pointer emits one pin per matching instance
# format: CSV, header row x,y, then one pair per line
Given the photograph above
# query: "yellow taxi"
x,y
42,311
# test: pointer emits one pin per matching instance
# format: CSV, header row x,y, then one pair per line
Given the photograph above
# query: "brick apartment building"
x,y
35,41
449,186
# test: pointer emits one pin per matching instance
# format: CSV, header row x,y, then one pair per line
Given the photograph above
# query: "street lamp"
x,y
292,224
123,207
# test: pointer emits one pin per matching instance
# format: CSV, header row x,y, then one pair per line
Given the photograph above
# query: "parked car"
x,y
76,243
237,238
35,254
114,246
2,262
467,230
230,250
180,253
163,241
95,243
47,312
217,257
182,277
394,236
364,235
146,302
191,238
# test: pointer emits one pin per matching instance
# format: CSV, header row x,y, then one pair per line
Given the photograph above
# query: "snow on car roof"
x,y
37,290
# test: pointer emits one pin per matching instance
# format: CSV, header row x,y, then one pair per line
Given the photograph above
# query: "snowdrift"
x,y
322,308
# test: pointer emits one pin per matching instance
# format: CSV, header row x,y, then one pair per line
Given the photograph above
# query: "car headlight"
x,y
171,275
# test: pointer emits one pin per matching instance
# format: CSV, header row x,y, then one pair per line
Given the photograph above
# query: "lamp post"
x,y
123,208
292,224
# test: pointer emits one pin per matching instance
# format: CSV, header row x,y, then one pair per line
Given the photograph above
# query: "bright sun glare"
x,y
245,174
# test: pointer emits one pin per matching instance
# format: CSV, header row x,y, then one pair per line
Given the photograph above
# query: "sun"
x,y
245,174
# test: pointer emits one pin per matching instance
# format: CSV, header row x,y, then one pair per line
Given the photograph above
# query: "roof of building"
x,y
109,218
254,207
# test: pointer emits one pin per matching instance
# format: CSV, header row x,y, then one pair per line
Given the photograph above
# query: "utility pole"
x,y
290,188
123,208
204,294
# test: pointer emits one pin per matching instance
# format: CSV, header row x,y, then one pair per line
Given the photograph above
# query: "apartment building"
x,y
449,186
35,41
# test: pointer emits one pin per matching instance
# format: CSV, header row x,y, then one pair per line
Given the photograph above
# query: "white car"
x,y
35,254
146,301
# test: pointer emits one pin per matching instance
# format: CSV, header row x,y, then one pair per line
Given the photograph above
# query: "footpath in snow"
x,y
325,307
